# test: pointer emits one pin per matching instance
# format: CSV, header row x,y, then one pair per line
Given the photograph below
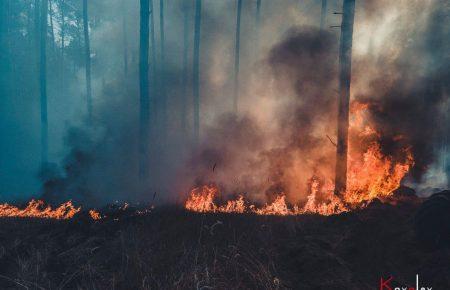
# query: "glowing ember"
x,y
37,209
95,215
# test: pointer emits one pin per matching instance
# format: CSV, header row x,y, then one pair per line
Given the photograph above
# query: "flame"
x,y
95,215
38,209
371,174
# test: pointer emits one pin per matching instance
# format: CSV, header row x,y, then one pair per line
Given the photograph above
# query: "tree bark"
x,y
236,56
87,55
323,15
43,81
144,87
196,69
345,70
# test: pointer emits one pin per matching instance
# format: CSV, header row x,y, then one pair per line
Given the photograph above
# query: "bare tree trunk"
x,y
196,78
236,56
153,62
63,42
345,71
185,67
124,40
36,34
144,88
323,15
43,82
87,52
163,99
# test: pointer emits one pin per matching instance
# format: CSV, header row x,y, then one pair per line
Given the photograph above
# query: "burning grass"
x,y
371,175
38,209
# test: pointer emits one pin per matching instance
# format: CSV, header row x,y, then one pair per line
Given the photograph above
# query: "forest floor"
x,y
170,248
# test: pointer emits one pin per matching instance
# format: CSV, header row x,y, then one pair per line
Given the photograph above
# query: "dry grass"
x,y
174,249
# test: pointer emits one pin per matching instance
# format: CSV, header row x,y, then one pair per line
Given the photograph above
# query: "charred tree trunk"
x,y
185,67
236,56
43,81
323,15
196,69
345,70
144,88
87,55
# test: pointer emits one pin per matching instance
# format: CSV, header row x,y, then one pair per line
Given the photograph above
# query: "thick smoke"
x,y
284,131
408,91
244,154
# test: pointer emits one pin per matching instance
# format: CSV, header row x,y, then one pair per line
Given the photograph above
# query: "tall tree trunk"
x,y
345,71
153,62
124,40
236,57
37,37
43,82
63,42
323,15
87,55
162,88
144,87
196,69
185,66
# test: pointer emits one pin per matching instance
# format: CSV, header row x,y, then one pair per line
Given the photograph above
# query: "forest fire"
x,y
371,174
38,209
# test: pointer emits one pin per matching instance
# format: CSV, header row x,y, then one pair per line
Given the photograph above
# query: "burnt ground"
x,y
174,249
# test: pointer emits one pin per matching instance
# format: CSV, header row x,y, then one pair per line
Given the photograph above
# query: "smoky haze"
x,y
279,138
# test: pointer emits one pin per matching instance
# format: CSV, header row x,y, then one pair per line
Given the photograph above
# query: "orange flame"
x,y
95,215
37,209
371,174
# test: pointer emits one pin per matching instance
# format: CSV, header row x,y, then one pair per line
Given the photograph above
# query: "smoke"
x,y
407,92
265,156
283,133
